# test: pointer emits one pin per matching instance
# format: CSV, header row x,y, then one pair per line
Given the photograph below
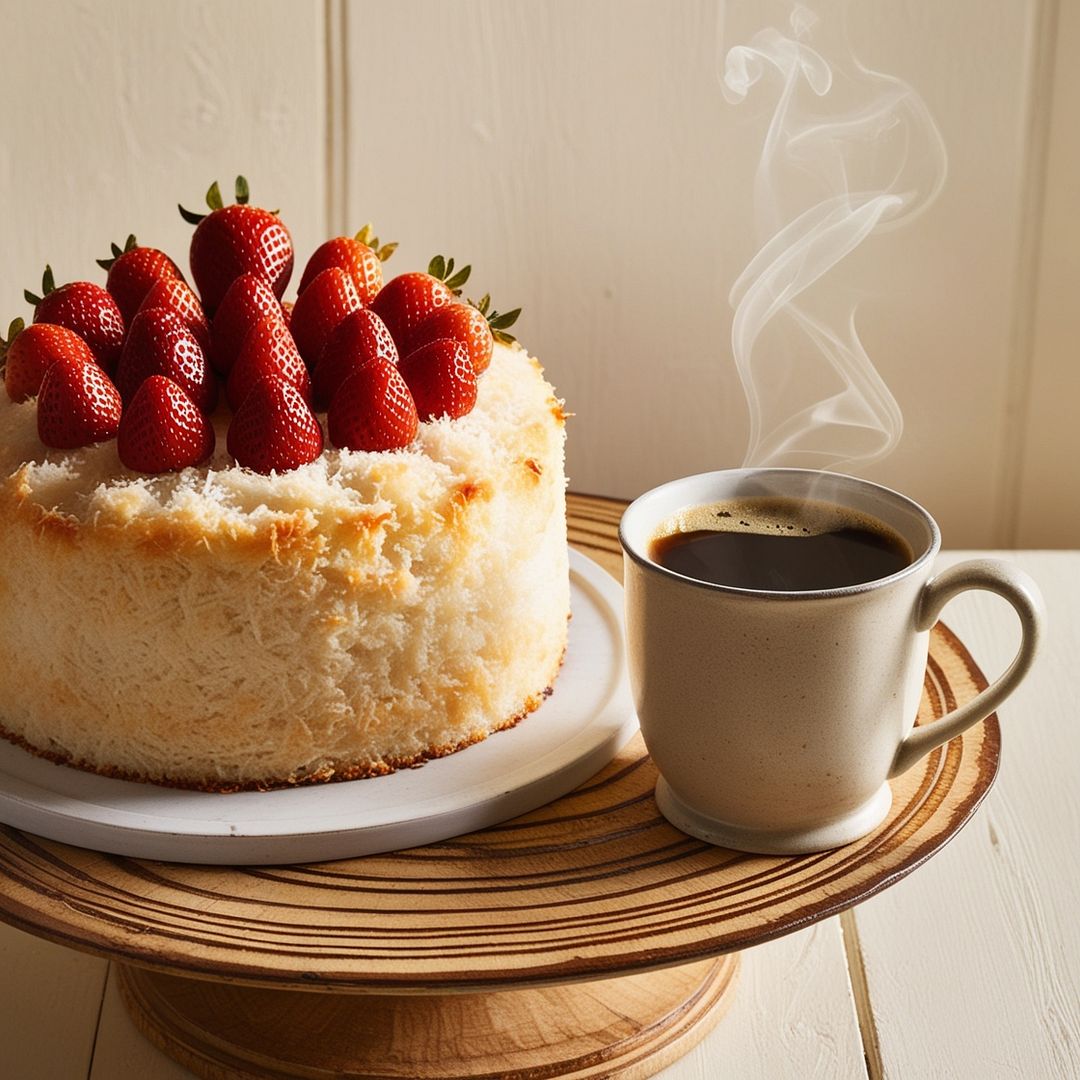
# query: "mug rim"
x,y
914,567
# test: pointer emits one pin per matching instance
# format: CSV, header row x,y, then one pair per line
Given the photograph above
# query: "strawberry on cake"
x,y
247,546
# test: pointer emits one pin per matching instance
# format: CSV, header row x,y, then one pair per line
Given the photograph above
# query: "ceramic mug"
x,y
776,718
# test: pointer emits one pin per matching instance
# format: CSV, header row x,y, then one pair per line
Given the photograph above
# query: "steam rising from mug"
x,y
848,153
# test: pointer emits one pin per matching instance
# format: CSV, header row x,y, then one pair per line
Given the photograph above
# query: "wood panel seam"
x,y
97,1021
336,123
860,992
1036,149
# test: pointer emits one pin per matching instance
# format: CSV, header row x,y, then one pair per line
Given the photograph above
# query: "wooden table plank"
x,y
792,1016
50,998
973,962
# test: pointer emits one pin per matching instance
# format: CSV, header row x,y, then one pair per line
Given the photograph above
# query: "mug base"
x,y
852,826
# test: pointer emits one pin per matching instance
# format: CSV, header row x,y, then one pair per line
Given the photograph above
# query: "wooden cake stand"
x,y
587,938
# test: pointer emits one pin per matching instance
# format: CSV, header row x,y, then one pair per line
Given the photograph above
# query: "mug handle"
x,y
1016,587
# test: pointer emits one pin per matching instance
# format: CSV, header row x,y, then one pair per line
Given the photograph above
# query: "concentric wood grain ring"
x,y
596,883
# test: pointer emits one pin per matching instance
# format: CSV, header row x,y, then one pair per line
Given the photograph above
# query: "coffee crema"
x,y
779,544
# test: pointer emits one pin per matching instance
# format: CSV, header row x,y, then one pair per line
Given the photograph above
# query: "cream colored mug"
x,y
775,718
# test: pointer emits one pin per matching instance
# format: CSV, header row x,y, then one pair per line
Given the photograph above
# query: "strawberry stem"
x,y
48,285
367,236
129,245
443,269
216,202
498,321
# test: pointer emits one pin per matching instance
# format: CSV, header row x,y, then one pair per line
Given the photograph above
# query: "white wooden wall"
x,y
580,154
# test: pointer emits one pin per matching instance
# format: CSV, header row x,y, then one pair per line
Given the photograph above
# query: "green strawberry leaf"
x,y
14,330
498,321
189,215
243,192
129,245
455,283
437,267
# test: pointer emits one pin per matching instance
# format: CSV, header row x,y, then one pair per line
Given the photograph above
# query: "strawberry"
x,y
462,323
286,311
78,405
162,429
359,256
248,300
174,295
441,378
325,302
359,339
131,273
85,308
235,240
160,344
274,430
373,410
407,300
268,349
29,352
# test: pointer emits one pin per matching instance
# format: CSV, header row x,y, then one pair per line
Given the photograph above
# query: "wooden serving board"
x,y
596,884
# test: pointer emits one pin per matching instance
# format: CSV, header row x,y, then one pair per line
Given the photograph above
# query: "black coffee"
x,y
782,545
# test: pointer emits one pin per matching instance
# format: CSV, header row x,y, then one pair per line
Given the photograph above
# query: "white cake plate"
x,y
573,735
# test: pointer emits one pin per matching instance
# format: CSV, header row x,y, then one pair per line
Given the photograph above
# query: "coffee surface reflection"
x,y
779,545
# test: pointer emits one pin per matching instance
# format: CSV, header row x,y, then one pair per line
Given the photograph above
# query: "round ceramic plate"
x,y
574,734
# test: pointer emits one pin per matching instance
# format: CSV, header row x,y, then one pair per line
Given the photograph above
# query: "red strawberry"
x,y
373,410
463,323
85,308
248,301
160,344
78,405
174,295
268,349
235,240
441,378
359,256
359,339
131,273
162,430
28,353
471,324
325,302
407,300
274,430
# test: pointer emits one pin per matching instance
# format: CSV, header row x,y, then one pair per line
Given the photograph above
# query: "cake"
x,y
221,628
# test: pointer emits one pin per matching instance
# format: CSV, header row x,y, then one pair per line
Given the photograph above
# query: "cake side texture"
x,y
222,630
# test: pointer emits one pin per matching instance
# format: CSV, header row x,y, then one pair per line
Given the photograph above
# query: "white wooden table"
x,y
968,968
